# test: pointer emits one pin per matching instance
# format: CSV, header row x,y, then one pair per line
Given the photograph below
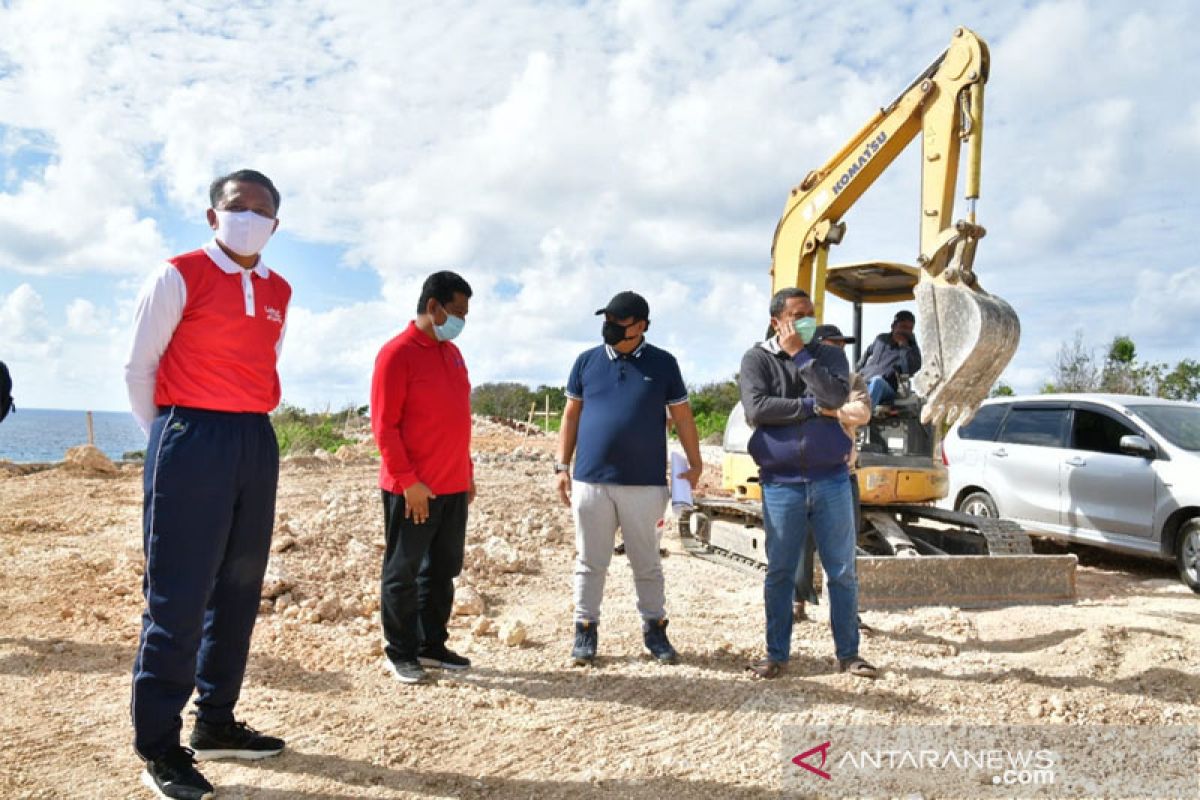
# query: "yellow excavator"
x,y
910,552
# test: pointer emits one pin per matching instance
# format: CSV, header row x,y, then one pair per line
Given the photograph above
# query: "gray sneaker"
x,y
654,636
583,654
408,671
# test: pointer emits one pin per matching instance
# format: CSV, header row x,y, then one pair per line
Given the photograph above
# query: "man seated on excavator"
x,y
890,356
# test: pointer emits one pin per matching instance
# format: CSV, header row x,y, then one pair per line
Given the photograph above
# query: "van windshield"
x,y
1179,425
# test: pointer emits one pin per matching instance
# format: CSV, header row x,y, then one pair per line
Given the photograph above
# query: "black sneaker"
x,y
407,671
584,651
232,740
654,635
443,657
173,775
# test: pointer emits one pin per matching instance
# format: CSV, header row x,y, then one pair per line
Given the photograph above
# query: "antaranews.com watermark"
x,y
997,761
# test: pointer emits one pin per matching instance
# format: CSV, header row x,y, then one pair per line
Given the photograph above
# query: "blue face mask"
x,y
805,327
449,329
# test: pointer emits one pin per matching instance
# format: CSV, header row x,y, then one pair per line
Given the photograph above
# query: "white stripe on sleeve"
x,y
279,341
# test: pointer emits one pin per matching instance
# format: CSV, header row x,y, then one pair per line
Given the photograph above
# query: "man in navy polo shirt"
x,y
618,399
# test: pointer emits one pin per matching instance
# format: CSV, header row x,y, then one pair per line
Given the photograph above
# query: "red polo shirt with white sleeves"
x,y
421,414
207,334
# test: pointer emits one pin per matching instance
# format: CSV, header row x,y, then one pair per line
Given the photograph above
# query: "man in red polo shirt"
x,y
421,416
201,378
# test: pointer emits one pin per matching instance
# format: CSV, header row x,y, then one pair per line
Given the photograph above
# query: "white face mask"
x,y
243,232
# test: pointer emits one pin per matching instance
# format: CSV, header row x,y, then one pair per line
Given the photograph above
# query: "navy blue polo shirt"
x,y
623,428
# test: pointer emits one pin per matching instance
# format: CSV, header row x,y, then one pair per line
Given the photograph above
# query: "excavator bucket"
x,y
966,335
967,338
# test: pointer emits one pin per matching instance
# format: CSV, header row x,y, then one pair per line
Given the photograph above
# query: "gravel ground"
x,y
523,723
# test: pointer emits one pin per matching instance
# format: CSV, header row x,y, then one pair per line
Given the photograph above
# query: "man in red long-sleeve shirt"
x,y
421,416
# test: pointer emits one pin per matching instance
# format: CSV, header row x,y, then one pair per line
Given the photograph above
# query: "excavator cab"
x,y
896,463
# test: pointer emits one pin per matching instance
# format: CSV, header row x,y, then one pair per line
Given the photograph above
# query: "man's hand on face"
x,y
416,502
789,341
562,484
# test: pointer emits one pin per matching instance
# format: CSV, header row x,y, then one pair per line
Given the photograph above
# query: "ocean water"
x,y
40,434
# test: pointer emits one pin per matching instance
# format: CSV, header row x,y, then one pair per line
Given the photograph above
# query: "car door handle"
x,y
1000,452
1076,461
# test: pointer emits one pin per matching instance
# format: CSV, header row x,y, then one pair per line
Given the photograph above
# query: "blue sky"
x,y
555,153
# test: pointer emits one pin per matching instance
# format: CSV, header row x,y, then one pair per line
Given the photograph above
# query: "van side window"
x,y
1038,426
1098,433
985,423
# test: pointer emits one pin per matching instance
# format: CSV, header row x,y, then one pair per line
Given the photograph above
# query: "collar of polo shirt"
x,y
227,264
637,353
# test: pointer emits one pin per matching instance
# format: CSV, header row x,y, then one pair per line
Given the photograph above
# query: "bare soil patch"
x,y
523,723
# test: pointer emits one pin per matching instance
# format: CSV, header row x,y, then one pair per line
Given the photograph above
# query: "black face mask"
x,y
612,333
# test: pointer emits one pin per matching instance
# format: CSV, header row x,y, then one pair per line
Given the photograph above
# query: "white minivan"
x,y
1120,472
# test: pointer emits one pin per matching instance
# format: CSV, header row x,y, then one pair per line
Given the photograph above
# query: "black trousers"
x,y
419,568
806,592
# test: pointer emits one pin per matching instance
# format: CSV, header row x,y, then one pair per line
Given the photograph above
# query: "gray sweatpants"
x,y
599,508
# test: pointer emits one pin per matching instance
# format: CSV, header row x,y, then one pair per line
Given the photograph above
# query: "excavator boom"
x,y
967,336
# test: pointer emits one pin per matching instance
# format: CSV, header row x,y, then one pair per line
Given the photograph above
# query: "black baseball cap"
x,y
824,332
627,304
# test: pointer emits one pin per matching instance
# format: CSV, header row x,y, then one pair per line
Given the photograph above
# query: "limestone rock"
x,y
468,602
329,609
276,582
283,543
512,633
502,555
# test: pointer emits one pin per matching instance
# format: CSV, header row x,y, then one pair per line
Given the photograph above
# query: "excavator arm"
x,y
966,335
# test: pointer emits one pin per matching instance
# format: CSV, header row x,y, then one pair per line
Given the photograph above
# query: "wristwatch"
x,y
561,468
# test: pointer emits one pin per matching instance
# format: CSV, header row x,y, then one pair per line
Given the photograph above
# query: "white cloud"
x,y
23,318
572,151
83,317
1164,308
62,365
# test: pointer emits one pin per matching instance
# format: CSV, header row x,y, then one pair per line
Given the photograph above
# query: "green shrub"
x,y
300,432
710,422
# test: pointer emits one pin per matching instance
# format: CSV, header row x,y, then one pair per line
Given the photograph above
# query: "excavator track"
x,y
966,561
698,544
1004,537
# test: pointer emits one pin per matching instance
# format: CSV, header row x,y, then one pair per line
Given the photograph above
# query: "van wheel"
x,y
1187,554
979,504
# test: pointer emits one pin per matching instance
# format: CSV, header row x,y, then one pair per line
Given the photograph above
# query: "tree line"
x,y
1078,369
711,402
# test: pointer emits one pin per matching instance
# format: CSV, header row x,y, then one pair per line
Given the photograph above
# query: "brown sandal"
x,y
858,667
765,669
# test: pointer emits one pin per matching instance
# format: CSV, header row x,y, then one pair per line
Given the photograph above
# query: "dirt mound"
x,y
90,460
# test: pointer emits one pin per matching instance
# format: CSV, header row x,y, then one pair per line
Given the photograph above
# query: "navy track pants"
x,y
208,511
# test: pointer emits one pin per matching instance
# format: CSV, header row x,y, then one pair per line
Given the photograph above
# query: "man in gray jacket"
x,y
786,383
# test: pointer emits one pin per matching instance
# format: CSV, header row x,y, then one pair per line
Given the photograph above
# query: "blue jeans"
x,y
881,391
806,591
791,512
